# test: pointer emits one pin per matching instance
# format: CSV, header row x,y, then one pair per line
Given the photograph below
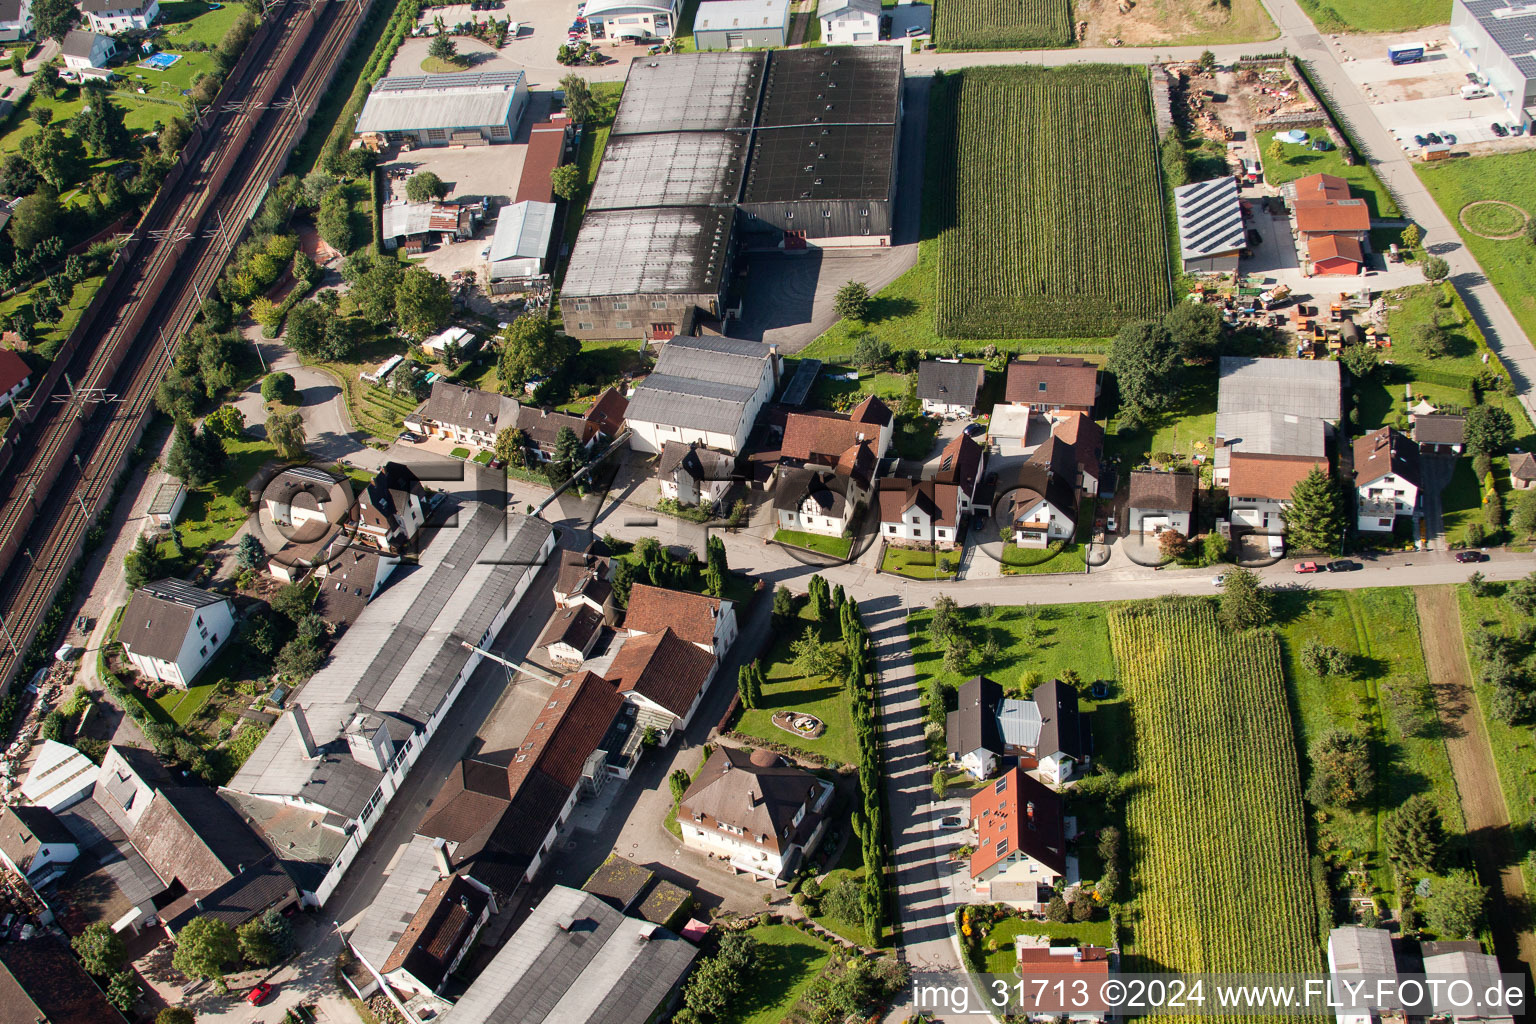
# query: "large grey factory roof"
x,y
721,360
400,658
385,919
832,163
1512,26
577,959
1302,387
1273,433
695,404
1210,218
832,85
678,250
440,101
690,92
670,169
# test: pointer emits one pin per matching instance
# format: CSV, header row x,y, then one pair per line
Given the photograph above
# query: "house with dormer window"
x,y
756,811
1020,854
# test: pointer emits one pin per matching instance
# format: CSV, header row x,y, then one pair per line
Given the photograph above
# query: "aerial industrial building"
x,y
439,110
712,150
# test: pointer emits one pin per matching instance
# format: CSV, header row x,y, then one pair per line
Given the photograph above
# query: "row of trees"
x,y
208,948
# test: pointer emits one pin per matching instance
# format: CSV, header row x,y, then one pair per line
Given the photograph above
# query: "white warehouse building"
x,y
441,110
1496,36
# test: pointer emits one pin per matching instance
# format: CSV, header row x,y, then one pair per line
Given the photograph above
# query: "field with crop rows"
x,y
1002,24
1056,225
1214,815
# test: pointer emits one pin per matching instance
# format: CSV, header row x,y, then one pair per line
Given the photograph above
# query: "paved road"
x,y
323,406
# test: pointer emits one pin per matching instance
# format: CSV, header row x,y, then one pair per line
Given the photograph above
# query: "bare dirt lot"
x,y
1184,22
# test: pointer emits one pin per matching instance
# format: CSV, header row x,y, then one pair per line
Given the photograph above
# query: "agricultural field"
x,y
1214,812
1055,223
1375,16
1002,24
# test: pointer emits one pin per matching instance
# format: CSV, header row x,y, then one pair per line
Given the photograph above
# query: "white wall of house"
x,y
1040,524
406,982
681,487
937,408
1056,768
649,437
808,519
122,20
850,27
210,630
1158,520
46,860
979,763
1017,869
1260,514
18,28
917,527
102,50
1403,494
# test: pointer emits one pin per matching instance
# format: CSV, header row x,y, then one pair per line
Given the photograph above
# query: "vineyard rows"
x,y
1002,24
1055,221
1214,818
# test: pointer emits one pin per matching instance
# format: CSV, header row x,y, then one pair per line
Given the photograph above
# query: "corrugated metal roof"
x,y
831,162
733,15
1019,722
1210,218
523,230
832,85
690,92
1273,433
721,360
680,251
670,169
1362,951
694,404
1302,387
385,920
441,101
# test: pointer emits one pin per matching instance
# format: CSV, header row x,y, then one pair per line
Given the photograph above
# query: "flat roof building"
x,y
698,92
438,110
731,24
670,169
1499,38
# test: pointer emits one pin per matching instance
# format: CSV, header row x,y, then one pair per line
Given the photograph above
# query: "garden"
x,y
1374,16
1057,225
807,681
1287,161
833,547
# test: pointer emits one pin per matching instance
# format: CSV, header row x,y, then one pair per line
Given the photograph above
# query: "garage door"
x,y
735,39
1250,517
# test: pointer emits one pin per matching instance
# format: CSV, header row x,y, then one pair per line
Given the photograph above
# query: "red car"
x,y
1471,556
1308,567
259,994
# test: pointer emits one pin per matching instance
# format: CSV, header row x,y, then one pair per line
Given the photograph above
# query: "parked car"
x,y
259,994
1471,556
1450,140
1308,567
1500,130
1434,139
1517,129
954,821
1343,565
1217,581
1419,140
1254,238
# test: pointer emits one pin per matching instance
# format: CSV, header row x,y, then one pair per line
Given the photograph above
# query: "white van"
x,y
1475,92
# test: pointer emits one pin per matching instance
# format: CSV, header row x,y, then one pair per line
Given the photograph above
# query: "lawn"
x,y
47,340
786,689
1046,640
375,410
183,705
837,547
1379,629
919,563
1301,160
787,961
213,513
1058,556
1511,178
1000,956
1375,16
1186,429
850,866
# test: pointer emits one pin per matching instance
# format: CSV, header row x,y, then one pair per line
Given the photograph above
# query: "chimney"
x,y
773,361
444,859
301,730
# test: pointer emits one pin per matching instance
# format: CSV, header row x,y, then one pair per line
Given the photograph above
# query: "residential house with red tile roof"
x,y
15,375
1387,479
665,676
1042,968
756,811
1020,853
919,513
707,622
1053,384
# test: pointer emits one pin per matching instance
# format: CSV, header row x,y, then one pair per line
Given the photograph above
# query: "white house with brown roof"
x,y
170,630
392,509
691,474
755,811
463,414
300,495
709,623
1161,501
919,513
664,675
815,501
1053,384
1040,497
583,580
822,438
112,16
1386,479
571,633
1021,851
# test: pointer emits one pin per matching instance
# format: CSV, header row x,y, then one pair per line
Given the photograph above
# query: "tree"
x,y
1360,360
565,181
1315,517
840,901
1324,659
718,979
1244,601
249,552
1171,544
443,48
100,123
623,578
19,60
1342,774
744,686
35,218
187,460
783,604
852,301
580,107
716,568
175,1015
334,221
226,421
424,186
142,564
292,602
1214,548
204,948
940,784
285,429
266,940
1415,834
305,328
1430,339
374,280
100,949
1435,268
298,660
1195,328
814,657
1144,360
1207,61
278,387
1411,237
123,991
871,353
511,446
1493,510
531,347
1456,905
1489,430
53,19
1056,910
1524,518
423,302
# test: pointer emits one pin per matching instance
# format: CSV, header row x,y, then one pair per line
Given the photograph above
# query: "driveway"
x,y
327,426
1437,471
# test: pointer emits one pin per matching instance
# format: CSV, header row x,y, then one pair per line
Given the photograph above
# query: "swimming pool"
x,y
160,61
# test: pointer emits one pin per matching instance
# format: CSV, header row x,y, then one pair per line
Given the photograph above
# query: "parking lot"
x,y
1425,97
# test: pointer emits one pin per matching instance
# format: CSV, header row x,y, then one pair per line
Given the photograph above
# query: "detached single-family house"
x,y
392,509
1053,384
1522,470
962,462
816,501
301,495
1069,966
467,415
753,810
15,20
971,733
919,513
571,633
35,844
1259,487
691,474
1042,496
170,630
706,390
1386,479
1021,849
15,376
1046,732
1161,501
83,49
948,387
112,16
583,580
1440,433
849,22
709,623
665,676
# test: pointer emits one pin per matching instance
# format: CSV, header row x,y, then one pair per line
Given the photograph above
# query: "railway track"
x,y
103,411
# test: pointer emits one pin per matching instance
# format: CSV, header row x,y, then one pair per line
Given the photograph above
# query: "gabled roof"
x,y
1321,187
352,574
761,799
260,886
443,923
1522,466
1332,215
721,360
619,882
188,835
695,461
469,408
607,413
1210,217
1442,428
663,668
41,981
1062,729
583,574
311,488
1053,380
939,502
1034,482
973,724
160,615
1272,433
832,8
13,369
1018,814
825,436
25,829
872,412
690,616
1163,492
1271,477
576,626
390,490
1333,247
829,491
1385,451
960,463
1084,437
523,231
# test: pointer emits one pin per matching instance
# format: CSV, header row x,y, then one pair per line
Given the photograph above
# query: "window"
x,y
1002,785
827,212
1042,387
214,639
891,527
583,327
583,307
1002,847
202,652
203,633
658,304
789,214
915,519
623,325
621,305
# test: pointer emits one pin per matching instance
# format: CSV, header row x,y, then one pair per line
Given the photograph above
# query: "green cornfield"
x,y
1002,24
1214,812
1052,218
